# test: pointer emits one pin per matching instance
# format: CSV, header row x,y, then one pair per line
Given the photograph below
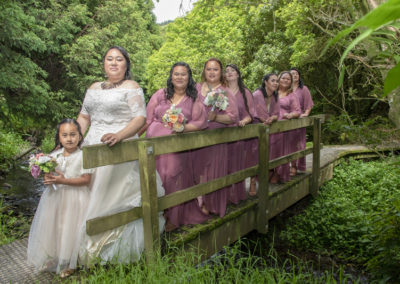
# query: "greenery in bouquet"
x,y
216,99
174,119
41,163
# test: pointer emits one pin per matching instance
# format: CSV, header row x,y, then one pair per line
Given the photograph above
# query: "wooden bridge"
x,y
211,236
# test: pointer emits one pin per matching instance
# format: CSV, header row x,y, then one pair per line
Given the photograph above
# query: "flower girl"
x,y
53,239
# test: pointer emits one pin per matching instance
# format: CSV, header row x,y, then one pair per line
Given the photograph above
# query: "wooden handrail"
x,y
145,150
101,155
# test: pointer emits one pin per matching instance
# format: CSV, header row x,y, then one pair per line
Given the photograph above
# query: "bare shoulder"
x,y
131,84
95,85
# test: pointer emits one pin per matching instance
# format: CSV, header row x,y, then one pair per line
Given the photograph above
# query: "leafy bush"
x,y
12,227
11,144
48,142
345,129
385,241
356,216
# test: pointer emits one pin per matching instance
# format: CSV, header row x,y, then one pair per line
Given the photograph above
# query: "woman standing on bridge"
x,y
267,109
289,109
240,153
115,110
212,162
306,104
176,169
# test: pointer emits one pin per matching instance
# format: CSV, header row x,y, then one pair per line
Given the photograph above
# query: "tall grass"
x,y
233,265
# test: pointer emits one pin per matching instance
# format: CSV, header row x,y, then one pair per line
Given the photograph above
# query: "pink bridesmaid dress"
x,y
306,102
176,169
288,104
212,162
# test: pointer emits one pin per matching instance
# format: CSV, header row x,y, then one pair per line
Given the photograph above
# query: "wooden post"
x,y
149,198
263,179
316,157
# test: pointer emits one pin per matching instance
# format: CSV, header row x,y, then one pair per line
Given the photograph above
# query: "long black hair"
x,y
242,87
262,87
191,90
57,137
127,74
301,83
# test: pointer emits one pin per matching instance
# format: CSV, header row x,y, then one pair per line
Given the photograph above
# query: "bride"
x,y
115,110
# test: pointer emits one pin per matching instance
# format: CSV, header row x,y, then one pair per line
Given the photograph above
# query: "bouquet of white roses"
x,y
174,119
216,99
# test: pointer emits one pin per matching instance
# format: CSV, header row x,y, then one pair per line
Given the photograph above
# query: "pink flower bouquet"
x,y
216,99
41,163
174,119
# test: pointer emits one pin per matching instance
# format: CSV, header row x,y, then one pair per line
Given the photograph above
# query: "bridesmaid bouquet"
x,y
216,99
174,119
42,163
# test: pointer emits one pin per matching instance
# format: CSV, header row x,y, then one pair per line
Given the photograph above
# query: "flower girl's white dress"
x,y
114,188
55,230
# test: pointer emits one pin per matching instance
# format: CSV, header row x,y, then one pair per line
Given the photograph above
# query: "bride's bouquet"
x,y
174,119
42,163
216,99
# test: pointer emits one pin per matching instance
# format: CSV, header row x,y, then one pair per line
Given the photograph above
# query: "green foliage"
x,y
344,129
12,226
234,265
352,216
378,18
385,240
51,52
11,145
48,142
207,31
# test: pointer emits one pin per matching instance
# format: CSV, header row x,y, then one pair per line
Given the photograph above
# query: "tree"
x,y
52,51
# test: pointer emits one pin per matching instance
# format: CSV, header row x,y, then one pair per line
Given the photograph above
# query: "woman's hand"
x,y
269,120
212,116
110,139
242,123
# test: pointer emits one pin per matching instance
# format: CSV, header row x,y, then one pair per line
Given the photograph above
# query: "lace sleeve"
x,y
135,100
84,109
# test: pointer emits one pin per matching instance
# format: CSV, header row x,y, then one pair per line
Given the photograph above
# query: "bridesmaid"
x,y
212,162
289,109
176,169
240,154
267,111
306,104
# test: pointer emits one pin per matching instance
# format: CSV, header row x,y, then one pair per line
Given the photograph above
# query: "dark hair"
x,y
127,75
291,78
191,90
262,87
222,79
301,83
242,87
65,121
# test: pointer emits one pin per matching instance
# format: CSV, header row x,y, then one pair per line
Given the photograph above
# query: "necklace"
x,y
109,85
235,90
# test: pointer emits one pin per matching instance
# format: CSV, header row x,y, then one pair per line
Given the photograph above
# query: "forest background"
x,y
51,51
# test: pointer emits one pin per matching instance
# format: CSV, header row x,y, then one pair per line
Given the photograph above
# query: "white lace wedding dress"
x,y
114,188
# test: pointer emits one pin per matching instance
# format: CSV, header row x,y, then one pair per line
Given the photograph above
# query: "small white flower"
x,y
43,159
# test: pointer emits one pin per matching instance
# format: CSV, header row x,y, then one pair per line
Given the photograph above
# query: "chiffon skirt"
x,y
55,231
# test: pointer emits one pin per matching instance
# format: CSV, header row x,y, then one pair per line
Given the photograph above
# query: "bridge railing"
x,y
146,149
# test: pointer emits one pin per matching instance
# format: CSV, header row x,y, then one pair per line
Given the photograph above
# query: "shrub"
x,y
355,217
11,144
